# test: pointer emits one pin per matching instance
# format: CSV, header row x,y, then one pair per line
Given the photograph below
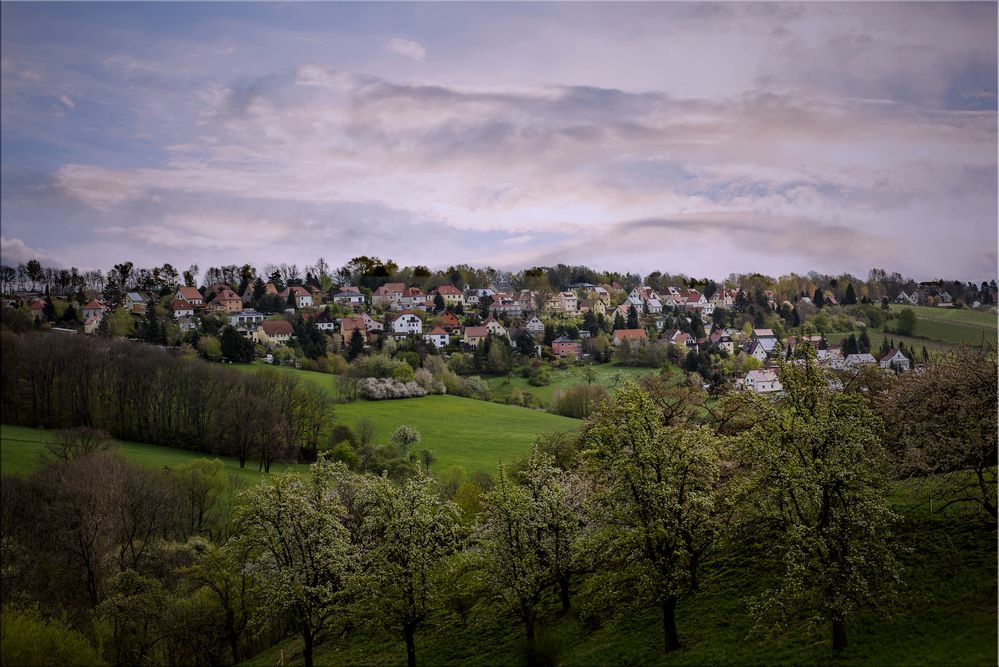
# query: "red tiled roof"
x,y
638,334
476,332
437,331
180,304
191,293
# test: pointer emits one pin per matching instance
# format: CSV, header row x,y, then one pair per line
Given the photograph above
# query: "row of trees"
x,y
149,394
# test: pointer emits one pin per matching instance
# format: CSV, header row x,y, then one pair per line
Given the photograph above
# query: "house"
x,y
535,326
766,338
274,332
449,321
754,348
413,297
181,308
452,295
474,335
562,346
91,323
95,307
348,299
763,381
302,296
437,337
724,342
388,295
248,318
495,327
348,325
191,295
893,359
226,301
563,303
595,306
324,322
630,335
859,359
406,324
371,324
135,304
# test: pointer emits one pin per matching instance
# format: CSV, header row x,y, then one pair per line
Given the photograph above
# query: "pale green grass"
x,y
608,375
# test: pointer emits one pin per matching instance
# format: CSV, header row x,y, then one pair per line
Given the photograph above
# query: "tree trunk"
x,y
410,633
672,641
839,634
307,653
563,591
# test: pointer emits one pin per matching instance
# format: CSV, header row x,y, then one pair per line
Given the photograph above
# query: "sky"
x,y
692,138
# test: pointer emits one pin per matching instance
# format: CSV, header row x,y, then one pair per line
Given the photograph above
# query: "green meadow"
x,y
953,326
608,375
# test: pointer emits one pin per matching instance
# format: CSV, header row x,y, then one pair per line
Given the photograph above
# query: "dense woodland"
x,y
113,563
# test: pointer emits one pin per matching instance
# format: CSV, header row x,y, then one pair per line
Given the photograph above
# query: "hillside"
x,y
952,326
946,616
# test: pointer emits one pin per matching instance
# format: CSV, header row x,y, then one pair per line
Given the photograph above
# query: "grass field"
x,y
955,327
21,447
476,435
946,615
607,375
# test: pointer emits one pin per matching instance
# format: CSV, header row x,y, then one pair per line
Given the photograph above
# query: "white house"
x,y
248,318
894,359
535,326
437,337
755,349
407,323
859,359
763,381
348,299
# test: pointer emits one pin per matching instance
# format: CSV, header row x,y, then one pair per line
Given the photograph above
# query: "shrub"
x,y
580,401
376,389
26,638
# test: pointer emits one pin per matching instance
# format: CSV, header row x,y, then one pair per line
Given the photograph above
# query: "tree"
x,y
48,310
356,345
632,317
411,532
851,295
906,322
942,423
589,373
235,347
78,441
864,342
817,298
405,438
618,321
293,528
259,289
819,472
439,304
659,497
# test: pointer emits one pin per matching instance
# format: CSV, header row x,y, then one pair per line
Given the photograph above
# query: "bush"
x,y
26,638
377,389
580,401
425,379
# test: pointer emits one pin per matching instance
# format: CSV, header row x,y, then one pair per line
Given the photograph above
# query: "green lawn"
x,y
608,375
476,435
957,327
21,447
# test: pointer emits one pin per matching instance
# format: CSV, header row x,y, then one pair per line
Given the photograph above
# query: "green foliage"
x,y
28,638
906,325
659,498
820,478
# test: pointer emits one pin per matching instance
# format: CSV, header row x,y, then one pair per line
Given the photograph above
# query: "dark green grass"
x,y
953,326
21,448
608,375
946,616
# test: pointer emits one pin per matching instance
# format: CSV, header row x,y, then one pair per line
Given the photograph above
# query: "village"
x,y
732,335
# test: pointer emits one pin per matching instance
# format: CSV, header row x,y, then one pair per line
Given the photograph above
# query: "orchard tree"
x,y
906,322
659,498
411,532
820,475
942,423
303,556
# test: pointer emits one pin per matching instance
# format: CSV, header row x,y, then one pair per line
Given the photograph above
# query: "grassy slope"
x,y
960,327
476,435
607,375
946,616
20,448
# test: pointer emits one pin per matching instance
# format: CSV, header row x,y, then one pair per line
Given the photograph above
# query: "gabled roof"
x,y
226,294
390,288
437,331
180,304
563,339
190,293
476,332
95,305
272,327
448,289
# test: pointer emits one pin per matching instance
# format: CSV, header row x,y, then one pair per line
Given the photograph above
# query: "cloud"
x,y
405,47
16,251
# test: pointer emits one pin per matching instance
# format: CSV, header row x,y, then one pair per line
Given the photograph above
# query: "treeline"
x,y
150,394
